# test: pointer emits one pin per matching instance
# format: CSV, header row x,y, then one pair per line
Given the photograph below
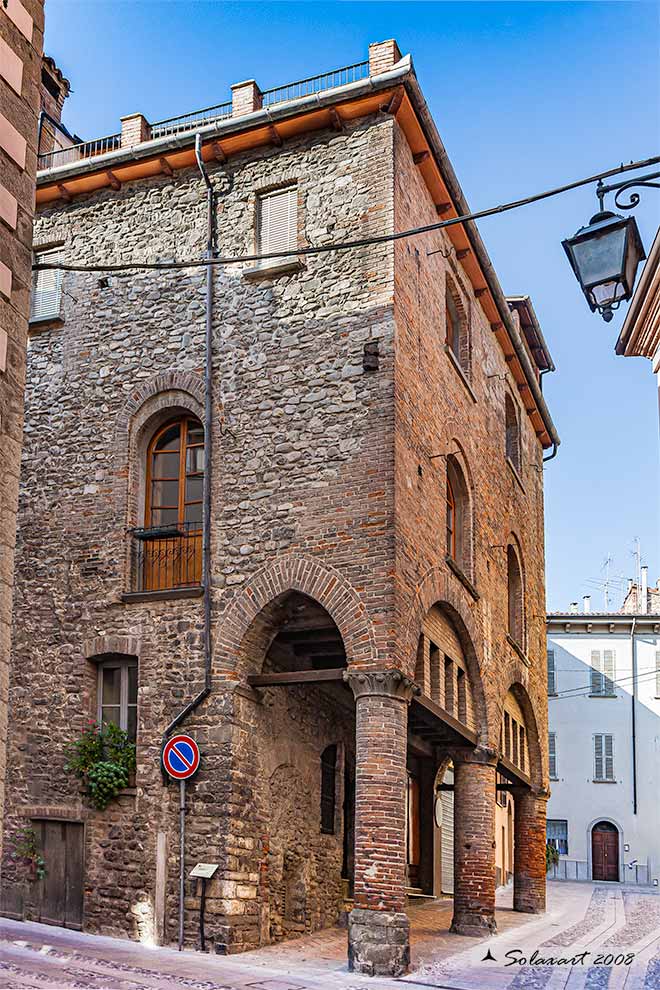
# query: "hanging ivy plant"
x,y
25,855
103,757
551,856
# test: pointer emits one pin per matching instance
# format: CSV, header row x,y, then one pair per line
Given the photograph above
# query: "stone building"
x,y
21,44
374,665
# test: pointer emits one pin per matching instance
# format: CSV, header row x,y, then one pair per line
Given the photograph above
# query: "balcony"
x,y
166,559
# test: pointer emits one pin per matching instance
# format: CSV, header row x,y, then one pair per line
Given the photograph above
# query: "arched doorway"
x,y
301,738
605,851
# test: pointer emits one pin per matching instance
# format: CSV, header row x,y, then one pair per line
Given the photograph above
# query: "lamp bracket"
x,y
618,188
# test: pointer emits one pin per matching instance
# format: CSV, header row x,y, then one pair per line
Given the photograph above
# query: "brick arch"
x,y
516,683
436,589
167,381
246,628
127,645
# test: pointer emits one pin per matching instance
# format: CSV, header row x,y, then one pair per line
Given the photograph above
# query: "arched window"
x,y
458,540
515,596
170,545
175,475
512,425
453,321
328,777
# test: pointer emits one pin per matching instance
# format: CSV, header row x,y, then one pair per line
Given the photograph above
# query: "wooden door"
x,y
605,852
413,831
60,893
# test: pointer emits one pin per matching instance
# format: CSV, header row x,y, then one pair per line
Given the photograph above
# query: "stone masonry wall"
x,y
303,468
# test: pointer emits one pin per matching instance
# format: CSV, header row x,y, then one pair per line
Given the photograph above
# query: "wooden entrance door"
x,y
60,893
605,851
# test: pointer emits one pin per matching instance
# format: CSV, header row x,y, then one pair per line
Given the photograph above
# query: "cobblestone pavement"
x,y
583,921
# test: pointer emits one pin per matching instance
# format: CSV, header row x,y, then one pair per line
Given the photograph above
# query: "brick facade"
x,y
21,45
335,407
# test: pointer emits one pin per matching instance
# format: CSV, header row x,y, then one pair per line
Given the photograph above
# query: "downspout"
x,y
633,725
553,454
208,426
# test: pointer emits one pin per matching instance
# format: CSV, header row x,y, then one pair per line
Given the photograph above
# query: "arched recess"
x,y
460,479
516,690
442,667
515,575
436,590
252,619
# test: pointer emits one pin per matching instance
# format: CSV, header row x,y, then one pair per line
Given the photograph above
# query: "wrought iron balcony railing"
x,y
87,149
166,557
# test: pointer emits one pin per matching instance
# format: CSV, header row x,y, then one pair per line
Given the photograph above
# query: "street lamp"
x,y
604,256
606,253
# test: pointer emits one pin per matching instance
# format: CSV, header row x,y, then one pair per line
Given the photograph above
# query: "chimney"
x,y
644,596
573,607
586,603
630,585
383,55
53,90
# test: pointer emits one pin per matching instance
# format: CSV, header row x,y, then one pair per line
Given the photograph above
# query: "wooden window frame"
x,y
123,665
182,422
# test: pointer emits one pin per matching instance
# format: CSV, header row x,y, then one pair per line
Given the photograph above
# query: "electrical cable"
x,y
585,690
346,245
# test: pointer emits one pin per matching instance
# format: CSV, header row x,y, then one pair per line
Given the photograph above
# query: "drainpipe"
x,y
553,454
632,699
208,426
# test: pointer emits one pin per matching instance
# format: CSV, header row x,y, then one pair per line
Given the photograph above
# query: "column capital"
x,y
381,683
481,755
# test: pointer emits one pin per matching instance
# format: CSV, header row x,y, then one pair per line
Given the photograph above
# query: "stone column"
x,y
474,843
529,851
378,928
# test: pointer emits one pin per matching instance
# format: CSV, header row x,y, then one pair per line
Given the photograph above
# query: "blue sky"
x,y
526,96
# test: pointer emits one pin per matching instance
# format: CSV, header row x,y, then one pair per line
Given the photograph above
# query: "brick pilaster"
x,y
378,928
383,55
246,97
134,130
529,852
474,844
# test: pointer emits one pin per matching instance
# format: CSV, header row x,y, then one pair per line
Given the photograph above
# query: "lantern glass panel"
x,y
600,258
608,292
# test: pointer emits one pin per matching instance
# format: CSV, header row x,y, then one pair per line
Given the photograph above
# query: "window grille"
x,y
552,753
552,673
557,835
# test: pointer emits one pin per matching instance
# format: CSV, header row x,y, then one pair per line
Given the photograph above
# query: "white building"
x,y
604,724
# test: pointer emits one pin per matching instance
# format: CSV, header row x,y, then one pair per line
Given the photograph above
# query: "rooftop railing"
x,y
87,149
199,118
316,84
190,121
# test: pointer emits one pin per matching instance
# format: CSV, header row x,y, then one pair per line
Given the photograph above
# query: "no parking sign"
x,y
181,757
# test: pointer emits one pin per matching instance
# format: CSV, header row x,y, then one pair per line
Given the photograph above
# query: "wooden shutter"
x,y
46,288
552,751
609,671
596,672
609,757
278,220
598,758
552,675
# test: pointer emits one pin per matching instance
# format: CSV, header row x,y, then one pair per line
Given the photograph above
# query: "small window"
x,y
117,695
552,753
453,321
457,517
328,775
552,673
603,672
515,596
277,223
557,835
46,287
512,425
603,757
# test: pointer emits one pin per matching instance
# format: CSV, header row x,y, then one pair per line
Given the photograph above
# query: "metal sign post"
x,y
180,759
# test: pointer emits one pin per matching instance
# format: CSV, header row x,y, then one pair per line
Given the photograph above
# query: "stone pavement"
x,y
583,921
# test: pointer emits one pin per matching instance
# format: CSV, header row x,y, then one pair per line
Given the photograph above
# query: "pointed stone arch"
x,y
245,629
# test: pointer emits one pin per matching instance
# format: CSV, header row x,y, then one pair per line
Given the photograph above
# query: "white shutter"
x,y
598,758
278,221
609,757
597,684
447,839
657,674
552,675
609,670
552,751
46,288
